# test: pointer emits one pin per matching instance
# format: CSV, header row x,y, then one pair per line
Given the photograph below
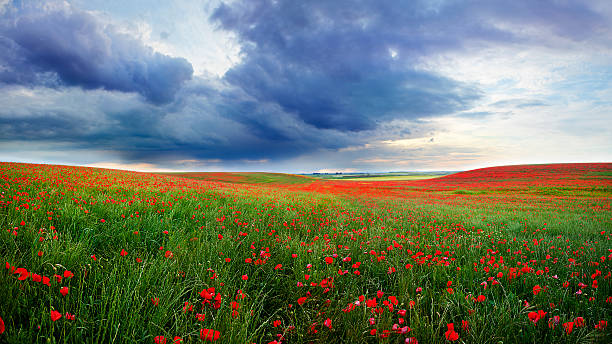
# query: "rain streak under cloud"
x,y
300,87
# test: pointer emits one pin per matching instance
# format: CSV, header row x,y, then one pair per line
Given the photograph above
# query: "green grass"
x,y
244,177
386,178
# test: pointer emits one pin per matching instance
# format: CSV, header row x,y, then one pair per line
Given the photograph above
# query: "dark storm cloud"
x,y
350,65
345,67
65,46
202,123
313,76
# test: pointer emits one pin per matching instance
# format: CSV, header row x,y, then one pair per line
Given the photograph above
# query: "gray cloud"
x,y
338,66
64,46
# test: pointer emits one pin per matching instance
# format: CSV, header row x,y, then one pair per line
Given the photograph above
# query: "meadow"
x,y
511,254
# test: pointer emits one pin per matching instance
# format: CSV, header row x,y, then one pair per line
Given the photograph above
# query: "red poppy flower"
x,y
123,252
160,340
537,289
1,326
301,300
208,294
209,335
327,322
23,273
568,326
64,291
55,315
329,260
393,300
245,277
534,317
68,274
465,325
541,313
601,325
451,334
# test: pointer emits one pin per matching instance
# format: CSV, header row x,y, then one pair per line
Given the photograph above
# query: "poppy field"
x,y
512,254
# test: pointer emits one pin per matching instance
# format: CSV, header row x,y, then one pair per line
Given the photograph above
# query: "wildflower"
x,y
601,325
327,323
123,253
2,326
568,326
209,335
541,313
579,322
301,300
64,291
450,334
55,315
23,274
537,289
465,325
329,260
534,317
160,340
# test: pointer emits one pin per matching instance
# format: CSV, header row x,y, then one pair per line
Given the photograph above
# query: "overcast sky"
x,y
305,86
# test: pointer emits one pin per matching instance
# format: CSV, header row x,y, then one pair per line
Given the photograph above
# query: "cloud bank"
x,y
62,46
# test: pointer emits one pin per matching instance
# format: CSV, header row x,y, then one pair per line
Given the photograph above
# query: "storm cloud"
x,y
60,45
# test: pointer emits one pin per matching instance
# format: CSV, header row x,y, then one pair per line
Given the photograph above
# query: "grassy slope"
x,y
442,239
244,177
386,178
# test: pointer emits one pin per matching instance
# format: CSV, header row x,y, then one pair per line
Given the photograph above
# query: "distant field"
x,y
244,177
383,178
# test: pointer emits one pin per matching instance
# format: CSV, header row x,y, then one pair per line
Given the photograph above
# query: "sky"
x,y
305,86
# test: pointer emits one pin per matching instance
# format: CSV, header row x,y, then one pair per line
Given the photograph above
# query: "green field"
x,y
107,256
391,177
244,177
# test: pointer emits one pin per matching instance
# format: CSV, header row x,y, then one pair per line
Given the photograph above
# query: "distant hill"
x,y
245,177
